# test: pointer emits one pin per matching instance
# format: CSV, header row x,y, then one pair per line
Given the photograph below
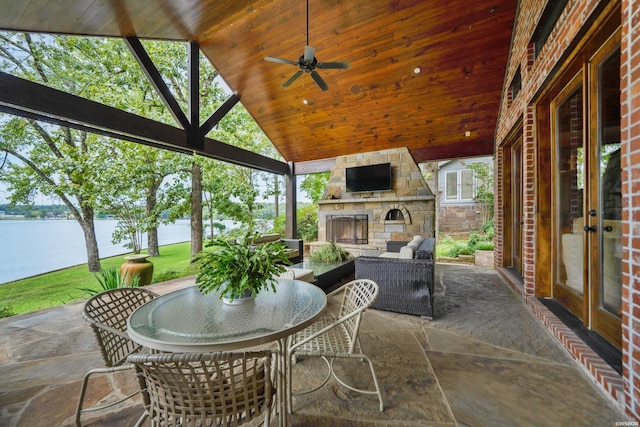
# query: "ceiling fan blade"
x,y
280,61
309,54
292,79
333,65
319,81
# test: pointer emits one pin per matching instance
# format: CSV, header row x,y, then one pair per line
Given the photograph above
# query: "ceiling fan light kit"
x,y
308,63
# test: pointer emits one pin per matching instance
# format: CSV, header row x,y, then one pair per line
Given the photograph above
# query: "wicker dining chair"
x,y
107,314
203,389
337,337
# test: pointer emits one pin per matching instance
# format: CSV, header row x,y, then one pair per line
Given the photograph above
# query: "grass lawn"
x,y
64,286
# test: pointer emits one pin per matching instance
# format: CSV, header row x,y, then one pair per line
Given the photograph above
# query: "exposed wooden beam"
x,y
314,166
36,101
217,115
152,73
194,137
291,220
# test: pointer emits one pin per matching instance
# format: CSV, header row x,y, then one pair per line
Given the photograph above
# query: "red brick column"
x,y
498,210
529,201
630,163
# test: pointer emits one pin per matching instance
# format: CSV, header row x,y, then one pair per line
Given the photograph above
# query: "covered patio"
x,y
484,361
425,76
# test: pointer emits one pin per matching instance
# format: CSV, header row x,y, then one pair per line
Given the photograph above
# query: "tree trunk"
x,y
152,233
196,209
91,243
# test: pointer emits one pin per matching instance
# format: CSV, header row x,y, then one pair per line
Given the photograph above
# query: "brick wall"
x,y
535,74
459,218
630,163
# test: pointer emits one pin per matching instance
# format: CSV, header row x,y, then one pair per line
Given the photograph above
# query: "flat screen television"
x,y
369,178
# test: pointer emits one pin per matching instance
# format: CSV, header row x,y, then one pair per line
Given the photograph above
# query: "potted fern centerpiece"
x,y
239,270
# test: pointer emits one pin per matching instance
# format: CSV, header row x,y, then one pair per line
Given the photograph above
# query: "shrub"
x,y
459,248
488,226
329,253
6,310
484,246
111,278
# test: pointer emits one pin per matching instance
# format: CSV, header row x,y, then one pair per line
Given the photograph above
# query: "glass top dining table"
x,y
188,321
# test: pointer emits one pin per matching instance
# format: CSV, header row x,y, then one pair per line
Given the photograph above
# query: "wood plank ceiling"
x,y
426,75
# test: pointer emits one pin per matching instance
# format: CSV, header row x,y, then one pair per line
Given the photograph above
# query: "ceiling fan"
x,y
308,63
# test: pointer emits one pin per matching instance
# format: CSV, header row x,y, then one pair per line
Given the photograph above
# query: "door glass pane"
x,y
610,185
467,185
570,191
452,185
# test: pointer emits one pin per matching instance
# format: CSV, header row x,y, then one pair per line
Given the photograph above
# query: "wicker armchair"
x,y
107,314
331,338
203,389
406,285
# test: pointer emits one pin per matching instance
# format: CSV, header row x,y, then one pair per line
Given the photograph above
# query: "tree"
x,y
152,181
234,191
57,163
315,185
61,162
484,188
72,165
230,192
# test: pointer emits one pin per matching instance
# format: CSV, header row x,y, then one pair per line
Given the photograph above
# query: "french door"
x,y
517,219
585,120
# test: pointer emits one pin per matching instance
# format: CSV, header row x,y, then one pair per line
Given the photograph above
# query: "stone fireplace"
x,y
350,229
363,222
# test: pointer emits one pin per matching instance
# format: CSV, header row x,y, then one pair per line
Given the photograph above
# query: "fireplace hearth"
x,y
350,229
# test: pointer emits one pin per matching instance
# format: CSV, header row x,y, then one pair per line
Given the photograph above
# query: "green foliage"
x,y
111,278
6,310
477,242
330,253
314,185
484,246
484,188
143,184
487,228
173,274
36,211
459,248
234,267
307,223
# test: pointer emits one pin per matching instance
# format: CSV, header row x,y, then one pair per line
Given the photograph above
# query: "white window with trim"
x,y
460,185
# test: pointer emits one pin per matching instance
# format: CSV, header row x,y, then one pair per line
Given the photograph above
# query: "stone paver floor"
x,y
484,361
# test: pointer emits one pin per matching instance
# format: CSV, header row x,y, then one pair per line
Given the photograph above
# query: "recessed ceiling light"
x,y
416,70
467,133
305,102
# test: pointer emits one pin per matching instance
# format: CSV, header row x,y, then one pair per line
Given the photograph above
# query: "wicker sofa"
x,y
406,284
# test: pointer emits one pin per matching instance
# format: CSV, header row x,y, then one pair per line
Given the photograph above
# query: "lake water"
x,y
32,247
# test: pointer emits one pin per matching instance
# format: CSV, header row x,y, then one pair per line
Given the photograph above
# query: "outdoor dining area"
x,y
484,359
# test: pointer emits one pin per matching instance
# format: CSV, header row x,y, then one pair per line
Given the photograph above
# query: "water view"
x,y
31,247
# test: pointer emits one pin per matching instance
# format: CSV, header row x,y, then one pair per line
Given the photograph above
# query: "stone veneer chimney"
x,y
398,214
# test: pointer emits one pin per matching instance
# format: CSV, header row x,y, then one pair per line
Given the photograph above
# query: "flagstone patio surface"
x,y
484,361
